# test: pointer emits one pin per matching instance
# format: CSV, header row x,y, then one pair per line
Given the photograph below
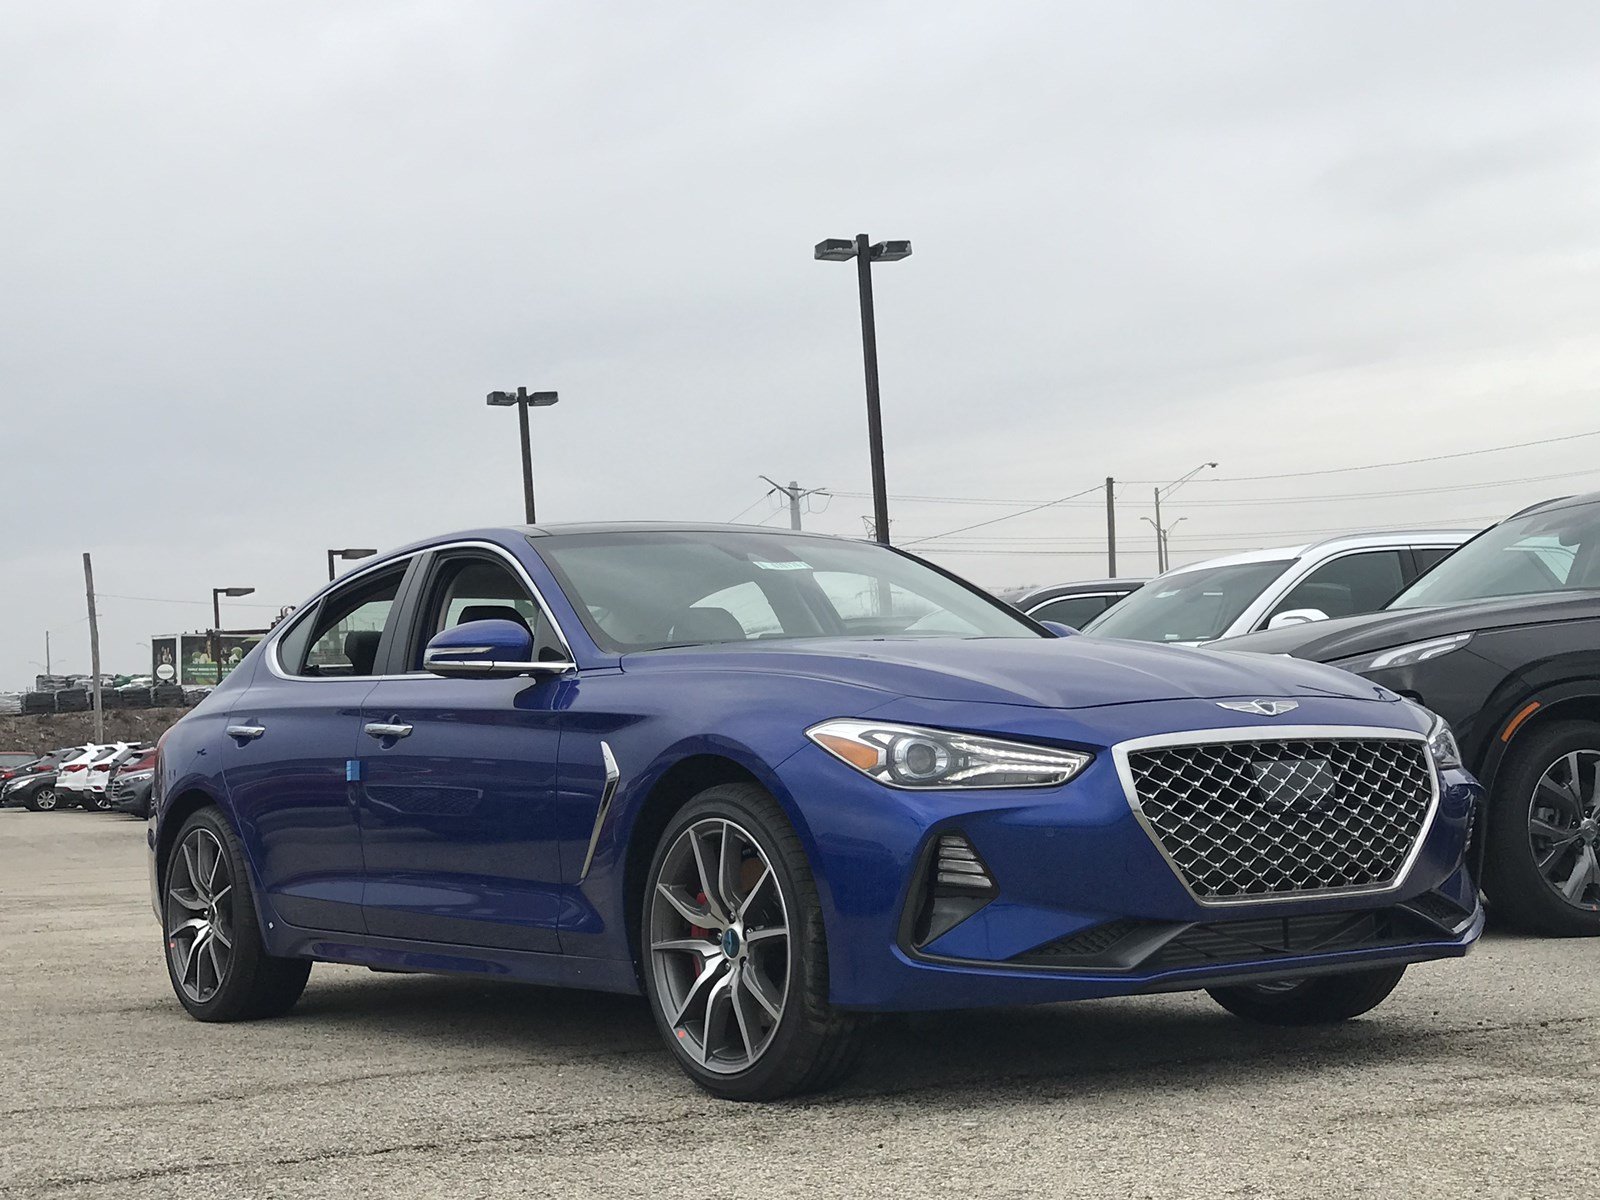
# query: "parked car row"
x,y
99,778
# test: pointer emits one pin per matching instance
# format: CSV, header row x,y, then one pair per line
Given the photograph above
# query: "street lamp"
x,y
216,621
1162,539
348,555
865,254
1167,490
523,400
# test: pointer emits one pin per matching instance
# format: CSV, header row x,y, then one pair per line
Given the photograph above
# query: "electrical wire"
x,y
166,600
997,520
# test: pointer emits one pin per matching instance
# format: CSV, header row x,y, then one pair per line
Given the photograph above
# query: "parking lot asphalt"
x,y
1477,1078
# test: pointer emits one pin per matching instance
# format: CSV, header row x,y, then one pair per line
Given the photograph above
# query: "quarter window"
x,y
348,627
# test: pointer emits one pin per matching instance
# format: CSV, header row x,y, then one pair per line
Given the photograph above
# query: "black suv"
x,y
1502,639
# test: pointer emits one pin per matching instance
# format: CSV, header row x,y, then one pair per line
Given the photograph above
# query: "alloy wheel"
x,y
199,912
719,945
46,799
1564,828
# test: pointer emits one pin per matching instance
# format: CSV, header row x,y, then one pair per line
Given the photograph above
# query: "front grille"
x,y
1248,819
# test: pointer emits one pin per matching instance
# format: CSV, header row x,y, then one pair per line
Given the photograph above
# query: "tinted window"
x,y
1428,556
1540,552
1189,606
348,625
477,587
647,590
1354,583
1076,611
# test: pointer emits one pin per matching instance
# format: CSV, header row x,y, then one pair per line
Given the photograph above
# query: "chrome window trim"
x,y
276,666
1267,733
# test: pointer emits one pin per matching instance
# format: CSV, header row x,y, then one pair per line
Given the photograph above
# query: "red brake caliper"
x,y
696,931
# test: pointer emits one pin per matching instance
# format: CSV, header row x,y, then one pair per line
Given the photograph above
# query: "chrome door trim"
x,y
607,793
273,639
1269,733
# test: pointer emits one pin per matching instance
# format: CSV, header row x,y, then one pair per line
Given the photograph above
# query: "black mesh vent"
x,y
1265,818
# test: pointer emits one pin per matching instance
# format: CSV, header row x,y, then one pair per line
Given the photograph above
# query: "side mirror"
x,y
486,649
1296,616
1060,630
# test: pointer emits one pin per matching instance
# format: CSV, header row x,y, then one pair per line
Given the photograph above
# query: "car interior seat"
x,y
707,625
361,648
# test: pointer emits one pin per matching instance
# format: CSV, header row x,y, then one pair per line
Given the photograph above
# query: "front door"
x,y
293,735
458,779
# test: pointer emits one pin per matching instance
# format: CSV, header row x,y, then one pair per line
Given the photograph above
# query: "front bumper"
x,y
1086,904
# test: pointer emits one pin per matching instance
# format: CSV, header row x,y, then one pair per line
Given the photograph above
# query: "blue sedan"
x,y
779,782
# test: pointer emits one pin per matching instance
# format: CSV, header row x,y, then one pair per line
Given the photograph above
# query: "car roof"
x,y
589,528
1346,541
1123,583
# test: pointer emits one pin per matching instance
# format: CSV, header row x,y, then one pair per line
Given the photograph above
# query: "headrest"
x,y
707,625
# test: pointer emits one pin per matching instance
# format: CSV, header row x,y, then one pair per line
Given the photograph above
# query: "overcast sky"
x,y
259,264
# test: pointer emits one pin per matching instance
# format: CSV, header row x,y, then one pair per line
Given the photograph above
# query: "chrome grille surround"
x,y
1230,842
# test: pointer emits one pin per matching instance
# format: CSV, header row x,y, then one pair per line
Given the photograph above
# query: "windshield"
x,y
1541,552
650,590
1190,606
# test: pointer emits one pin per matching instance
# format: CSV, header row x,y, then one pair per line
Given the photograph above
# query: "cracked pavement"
x,y
1477,1078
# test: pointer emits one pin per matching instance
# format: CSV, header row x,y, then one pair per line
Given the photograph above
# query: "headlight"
x,y
909,756
1405,656
1442,744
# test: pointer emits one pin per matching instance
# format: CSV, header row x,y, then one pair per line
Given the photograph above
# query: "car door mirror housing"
x,y
492,649
1060,630
1296,616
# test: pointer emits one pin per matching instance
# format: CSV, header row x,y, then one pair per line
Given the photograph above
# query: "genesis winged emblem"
x,y
1261,708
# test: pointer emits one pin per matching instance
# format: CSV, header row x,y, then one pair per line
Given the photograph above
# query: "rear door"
x,y
458,794
293,737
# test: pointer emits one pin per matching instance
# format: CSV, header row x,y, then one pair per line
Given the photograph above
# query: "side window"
x,y
475,587
1426,556
1076,611
1356,583
348,625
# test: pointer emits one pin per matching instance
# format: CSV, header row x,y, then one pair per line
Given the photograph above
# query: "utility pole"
x,y
794,493
1161,541
1111,528
47,652
94,649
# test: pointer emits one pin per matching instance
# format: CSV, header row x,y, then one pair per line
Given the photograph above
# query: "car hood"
x,y
1072,672
1346,637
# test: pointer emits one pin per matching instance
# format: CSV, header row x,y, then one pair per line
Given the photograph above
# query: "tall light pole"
x,y
1167,490
348,555
523,400
1162,540
216,621
865,253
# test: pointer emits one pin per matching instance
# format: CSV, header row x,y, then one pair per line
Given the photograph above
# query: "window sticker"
x,y
780,566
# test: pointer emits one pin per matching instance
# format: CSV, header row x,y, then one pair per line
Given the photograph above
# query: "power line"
x,y
1006,517
1404,462
167,600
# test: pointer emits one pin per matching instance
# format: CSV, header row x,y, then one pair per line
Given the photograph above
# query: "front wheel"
x,y
216,960
1542,860
734,959
44,800
1318,1000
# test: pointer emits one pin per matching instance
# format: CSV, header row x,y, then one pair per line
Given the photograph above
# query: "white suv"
x,y
1268,589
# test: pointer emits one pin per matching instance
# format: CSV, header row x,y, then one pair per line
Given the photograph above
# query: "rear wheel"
x,y
218,965
96,802
1542,860
1318,1000
44,800
735,962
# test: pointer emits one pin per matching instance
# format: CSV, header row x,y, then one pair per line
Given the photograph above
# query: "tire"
x,y
43,800
1514,874
93,803
1317,1000
241,981
739,1045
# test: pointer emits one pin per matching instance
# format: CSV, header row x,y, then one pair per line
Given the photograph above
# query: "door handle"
x,y
379,730
246,733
